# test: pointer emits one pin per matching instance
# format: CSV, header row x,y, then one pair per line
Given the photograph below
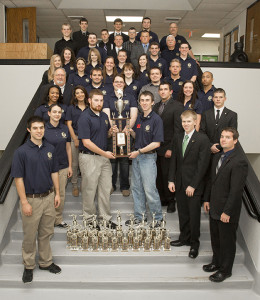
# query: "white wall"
x,y
18,86
204,47
240,21
2,23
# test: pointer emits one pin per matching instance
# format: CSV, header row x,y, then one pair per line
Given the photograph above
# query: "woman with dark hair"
x,y
79,102
142,72
131,110
94,60
53,96
109,70
57,134
132,86
68,60
80,77
188,97
55,63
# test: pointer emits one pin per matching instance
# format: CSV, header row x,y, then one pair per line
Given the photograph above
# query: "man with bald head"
x,y
173,30
205,95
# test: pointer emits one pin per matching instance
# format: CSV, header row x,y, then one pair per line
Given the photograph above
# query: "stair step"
x,y
12,255
126,276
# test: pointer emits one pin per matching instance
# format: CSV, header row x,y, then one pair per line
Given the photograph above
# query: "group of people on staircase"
x,y
184,142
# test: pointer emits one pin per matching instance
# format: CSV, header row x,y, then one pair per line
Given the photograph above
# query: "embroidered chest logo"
x,y
177,54
134,87
106,121
210,98
72,68
180,83
64,135
159,65
104,92
179,41
87,80
49,154
189,65
62,111
147,128
138,126
146,75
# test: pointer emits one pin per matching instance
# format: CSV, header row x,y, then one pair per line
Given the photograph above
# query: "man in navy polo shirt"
x,y
155,60
146,25
35,170
175,79
96,82
206,94
189,69
148,134
95,167
172,51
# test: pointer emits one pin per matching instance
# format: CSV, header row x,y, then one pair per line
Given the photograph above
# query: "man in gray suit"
x,y
138,50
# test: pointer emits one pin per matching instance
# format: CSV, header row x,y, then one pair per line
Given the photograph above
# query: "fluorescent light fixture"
x,y
124,19
125,32
211,35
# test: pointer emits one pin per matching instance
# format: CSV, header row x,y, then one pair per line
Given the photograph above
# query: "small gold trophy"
x,y
121,139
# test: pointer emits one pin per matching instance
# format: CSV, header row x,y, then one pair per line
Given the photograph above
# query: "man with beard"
x,y
96,171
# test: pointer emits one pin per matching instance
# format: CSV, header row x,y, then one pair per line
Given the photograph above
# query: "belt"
x,y
40,195
87,152
149,152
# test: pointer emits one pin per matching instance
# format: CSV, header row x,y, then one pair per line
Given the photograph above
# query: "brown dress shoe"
x,y
75,191
126,193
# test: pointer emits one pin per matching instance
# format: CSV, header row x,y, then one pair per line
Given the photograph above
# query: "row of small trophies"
x,y
96,238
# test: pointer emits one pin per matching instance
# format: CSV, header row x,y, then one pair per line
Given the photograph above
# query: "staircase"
x,y
113,275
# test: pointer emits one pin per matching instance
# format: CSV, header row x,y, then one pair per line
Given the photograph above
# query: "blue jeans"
x,y
143,185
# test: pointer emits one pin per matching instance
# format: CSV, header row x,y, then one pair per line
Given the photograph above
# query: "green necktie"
x,y
185,144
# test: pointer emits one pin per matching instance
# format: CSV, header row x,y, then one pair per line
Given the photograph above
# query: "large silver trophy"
x,y
121,139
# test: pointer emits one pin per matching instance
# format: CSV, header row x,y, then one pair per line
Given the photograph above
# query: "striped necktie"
x,y
220,162
185,144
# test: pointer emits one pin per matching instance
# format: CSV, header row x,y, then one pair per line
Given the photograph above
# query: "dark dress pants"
x,y
223,243
189,210
123,163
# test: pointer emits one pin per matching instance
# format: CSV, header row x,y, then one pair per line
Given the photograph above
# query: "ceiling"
x,y
198,16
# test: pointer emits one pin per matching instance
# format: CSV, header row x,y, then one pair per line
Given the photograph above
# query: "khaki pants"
x,y
96,173
75,163
63,177
42,222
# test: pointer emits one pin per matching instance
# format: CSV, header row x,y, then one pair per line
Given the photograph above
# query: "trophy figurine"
x,y
120,138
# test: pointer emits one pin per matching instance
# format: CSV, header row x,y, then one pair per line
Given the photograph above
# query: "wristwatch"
x,y
140,151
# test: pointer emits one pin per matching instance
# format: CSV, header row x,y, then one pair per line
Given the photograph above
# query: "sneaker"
x,y
51,268
75,191
62,225
157,224
97,226
136,222
27,275
126,193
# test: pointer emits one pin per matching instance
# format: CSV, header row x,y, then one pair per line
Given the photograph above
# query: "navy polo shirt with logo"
x,y
75,79
169,55
42,111
197,107
69,69
176,86
110,102
143,78
147,130
73,113
35,165
188,68
108,80
159,63
106,89
90,67
206,99
133,88
58,137
93,127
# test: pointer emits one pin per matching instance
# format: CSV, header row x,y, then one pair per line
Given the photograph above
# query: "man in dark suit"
x,y
223,202
189,163
118,46
138,50
105,44
216,118
170,112
81,36
118,24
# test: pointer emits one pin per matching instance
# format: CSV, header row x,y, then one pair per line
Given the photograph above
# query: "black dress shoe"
x,y
193,253
179,243
51,268
210,268
27,275
171,208
219,276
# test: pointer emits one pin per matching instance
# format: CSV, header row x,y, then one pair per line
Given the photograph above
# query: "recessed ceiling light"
x,y
211,35
124,19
